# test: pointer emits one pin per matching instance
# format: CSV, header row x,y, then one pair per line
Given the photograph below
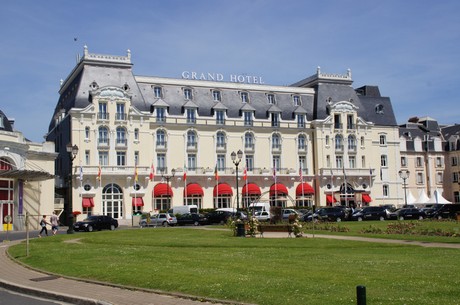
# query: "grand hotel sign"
x,y
219,77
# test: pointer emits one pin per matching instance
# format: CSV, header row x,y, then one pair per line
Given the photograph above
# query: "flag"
x,y
185,172
245,173
301,173
152,172
216,173
99,173
274,170
81,173
135,174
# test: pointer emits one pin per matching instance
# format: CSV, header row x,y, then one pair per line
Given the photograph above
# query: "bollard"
x,y
361,295
240,230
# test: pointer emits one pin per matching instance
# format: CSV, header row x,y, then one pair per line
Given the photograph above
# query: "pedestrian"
x,y
43,224
54,220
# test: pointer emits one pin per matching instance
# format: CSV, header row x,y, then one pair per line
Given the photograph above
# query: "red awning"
x,y
304,189
330,199
162,189
251,189
87,202
193,189
222,189
138,202
278,189
366,198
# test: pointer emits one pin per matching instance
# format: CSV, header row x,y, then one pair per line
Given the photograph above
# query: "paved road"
x,y
8,297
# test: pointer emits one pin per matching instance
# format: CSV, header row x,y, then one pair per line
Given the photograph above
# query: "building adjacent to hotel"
x,y
317,142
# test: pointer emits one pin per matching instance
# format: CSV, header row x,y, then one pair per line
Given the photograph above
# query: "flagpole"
x,y
332,187
301,181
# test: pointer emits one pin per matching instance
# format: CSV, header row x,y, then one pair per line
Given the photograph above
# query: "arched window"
x,y
302,142
338,142
220,139
351,143
112,201
191,139
248,140
161,137
121,136
103,135
276,141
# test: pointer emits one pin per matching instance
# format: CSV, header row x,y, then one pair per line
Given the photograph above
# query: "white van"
x,y
183,209
261,210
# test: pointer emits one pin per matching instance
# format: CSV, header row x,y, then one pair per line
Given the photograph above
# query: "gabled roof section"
x,y
300,110
247,107
160,103
274,108
190,104
219,106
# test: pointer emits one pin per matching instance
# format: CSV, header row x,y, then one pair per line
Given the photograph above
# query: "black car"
x,y
330,214
92,223
219,216
410,213
440,211
192,219
370,213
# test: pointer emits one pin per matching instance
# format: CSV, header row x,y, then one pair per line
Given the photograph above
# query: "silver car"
x,y
155,220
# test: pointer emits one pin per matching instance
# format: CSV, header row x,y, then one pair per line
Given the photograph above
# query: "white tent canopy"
x,y
422,197
410,198
437,198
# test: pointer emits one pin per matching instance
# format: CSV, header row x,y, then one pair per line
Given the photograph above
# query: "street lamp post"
x,y
73,151
168,177
404,174
236,161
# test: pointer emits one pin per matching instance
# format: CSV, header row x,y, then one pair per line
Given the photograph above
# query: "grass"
x,y
254,270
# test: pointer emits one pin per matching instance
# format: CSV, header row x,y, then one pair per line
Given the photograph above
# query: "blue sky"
x,y
410,49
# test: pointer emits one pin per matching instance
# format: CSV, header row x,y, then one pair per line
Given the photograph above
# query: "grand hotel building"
x,y
316,142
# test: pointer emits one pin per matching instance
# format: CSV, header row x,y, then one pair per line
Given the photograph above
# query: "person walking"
x,y
54,220
43,224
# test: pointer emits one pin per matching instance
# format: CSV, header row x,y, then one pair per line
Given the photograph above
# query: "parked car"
x,y
96,222
192,219
219,216
440,211
262,216
410,213
286,212
370,213
160,219
328,214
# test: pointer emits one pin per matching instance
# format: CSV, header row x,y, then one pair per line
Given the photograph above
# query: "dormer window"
x,y
188,93
300,121
191,117
271,99
216,95
247,115
244,97
296,100
157,92
275,119
379,109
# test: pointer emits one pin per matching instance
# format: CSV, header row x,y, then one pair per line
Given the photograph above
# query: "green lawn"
x,y
254,270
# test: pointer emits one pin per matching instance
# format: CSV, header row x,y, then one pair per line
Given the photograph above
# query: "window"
x,y
456,197
384,160
385,190
296,100
1,121
303,165
352,161
157,92
439,178
103,115
455,177
250,163
136,158
328,161
87,160
419,178
339,162
220,117
191,115
220,162
438,161
301,142
337,122
104,158
300,121
121,115
191,162
379,109
277,163
244,97
161,137
271,98
276,141
87,133
419,162
403,161
216,95
188,94
161,114
191,139
247,118
350,122
121,136
275,119
220,137
103,135
121,158
383,139
454,161
362,141
161,163
338,142
363,161
248,141
327,140
351,143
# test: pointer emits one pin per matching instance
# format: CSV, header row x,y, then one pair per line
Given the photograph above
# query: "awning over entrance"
x,y
304,189
278,189
222,189
87,202
138,202
162,189
193,189
366,198
330,199
251,189
25,174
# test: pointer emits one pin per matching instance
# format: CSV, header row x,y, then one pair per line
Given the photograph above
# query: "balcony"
x,y
276,147
352,149
121,142
221,147
339,148
302,148
248,122
161,145
192,146
103,142
120,116
249,147
102,116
